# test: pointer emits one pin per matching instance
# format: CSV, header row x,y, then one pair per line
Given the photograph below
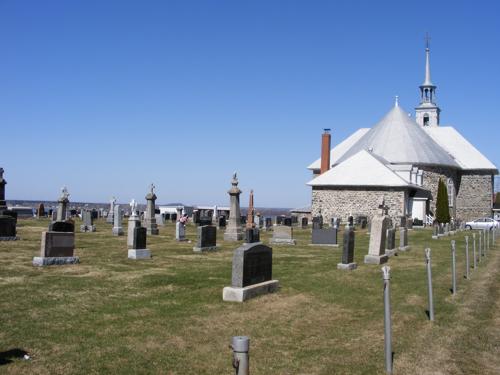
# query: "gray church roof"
x,y
400,140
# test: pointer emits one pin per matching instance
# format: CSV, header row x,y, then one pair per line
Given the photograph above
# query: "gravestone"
x,y
295,220
205,220
62,226
196,217
88,222
222,222
258,221
243,219
363,222
268,223
335,223
207,238
280,219
283,235
133,222
435,231
390,248
447,229
317,222
378,231
440,230
403,239
40,212
117,221
111,211
62,205
57,248
252,235
409,223
160,219
138,249
347,262
233,229
324,237
8,219
252,273
304,223
287,221
149,217
350,222
180,231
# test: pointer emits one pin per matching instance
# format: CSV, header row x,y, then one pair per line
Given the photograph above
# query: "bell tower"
x,y
427,113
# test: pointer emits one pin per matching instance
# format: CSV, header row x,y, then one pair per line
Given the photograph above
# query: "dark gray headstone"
x,y
61,226
252,264
58,244
207,237
325,236
252,235
350,221
222,222
7,226
269,222
317,222
348,247
139,240
391,239
205,220
304,222
287,221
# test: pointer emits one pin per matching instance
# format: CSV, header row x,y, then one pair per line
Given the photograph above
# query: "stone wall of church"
x,y
431,182
342,202
475,196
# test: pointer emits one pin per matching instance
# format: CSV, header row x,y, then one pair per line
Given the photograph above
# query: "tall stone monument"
x,y
8,219
117,224
111,211
378,232
251,212
133,222
233,228
62,204
149,218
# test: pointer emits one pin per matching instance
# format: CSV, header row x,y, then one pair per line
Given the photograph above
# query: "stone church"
x,y
401,159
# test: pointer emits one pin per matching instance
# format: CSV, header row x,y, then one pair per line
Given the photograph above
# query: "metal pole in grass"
x,y
387,319
480,247
474,250
467,265
453,268
241,346
429,283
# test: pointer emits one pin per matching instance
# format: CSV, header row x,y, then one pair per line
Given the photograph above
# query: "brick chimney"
x,y
325,151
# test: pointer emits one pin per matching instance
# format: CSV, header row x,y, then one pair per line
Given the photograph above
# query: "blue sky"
x,y
108,96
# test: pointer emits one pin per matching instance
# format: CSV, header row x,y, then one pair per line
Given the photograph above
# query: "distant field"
x,y
111,315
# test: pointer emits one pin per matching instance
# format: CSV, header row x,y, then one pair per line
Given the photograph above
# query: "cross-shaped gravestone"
x,y
65,193
153,187
384,209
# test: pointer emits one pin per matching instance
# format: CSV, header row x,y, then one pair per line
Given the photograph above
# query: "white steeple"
x,y
427,113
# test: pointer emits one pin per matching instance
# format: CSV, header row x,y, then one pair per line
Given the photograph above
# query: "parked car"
x,y
482,223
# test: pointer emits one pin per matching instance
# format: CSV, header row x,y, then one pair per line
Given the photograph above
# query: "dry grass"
x,y
112,315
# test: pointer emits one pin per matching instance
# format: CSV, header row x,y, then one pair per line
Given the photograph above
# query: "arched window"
x,y
451,193
426,119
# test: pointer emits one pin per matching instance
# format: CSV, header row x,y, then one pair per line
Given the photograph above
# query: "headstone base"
x,y
282,242
232,294
54,261
404,248
347,266
435,237
118,231
376,259
233,236
391,253
324,244
87,228
139,254
153,231
202,249
9,238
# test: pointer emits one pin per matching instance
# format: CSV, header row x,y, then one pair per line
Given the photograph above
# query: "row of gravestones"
x,y
448,229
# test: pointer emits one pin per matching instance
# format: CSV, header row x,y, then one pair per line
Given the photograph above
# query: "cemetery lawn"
x,y
111,315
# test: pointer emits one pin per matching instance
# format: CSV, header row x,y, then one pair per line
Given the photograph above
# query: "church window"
x,y
426,120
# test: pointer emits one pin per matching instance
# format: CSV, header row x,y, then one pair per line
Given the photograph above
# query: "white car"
x,y
483,223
